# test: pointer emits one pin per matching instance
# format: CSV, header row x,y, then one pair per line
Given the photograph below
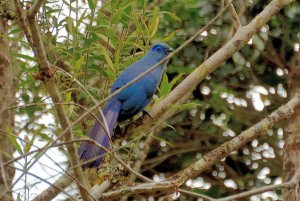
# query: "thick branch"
x,y
163,187
284,112
241,37
128,84
291,162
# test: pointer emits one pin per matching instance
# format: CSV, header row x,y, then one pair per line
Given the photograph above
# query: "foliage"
x,y
93,43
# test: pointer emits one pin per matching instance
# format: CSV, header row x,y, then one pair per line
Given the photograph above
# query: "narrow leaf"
x,y
91,4
13,141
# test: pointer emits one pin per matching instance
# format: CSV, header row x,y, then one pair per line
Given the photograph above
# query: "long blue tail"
x,y
88,150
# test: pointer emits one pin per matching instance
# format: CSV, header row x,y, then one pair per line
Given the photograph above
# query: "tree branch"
x,y
237,42
163,187
284,112
8,82
55,188
133,81
47,77
35,8
236,21
242,36
292,183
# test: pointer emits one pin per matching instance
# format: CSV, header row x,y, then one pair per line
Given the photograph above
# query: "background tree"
x,y
81,47
8,82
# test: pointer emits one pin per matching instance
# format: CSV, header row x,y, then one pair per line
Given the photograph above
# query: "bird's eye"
x,y
157,48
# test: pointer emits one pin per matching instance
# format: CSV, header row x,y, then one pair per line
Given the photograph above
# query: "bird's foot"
x,y
118,133
139,121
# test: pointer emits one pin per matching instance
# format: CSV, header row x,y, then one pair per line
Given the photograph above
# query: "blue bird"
x,y
128,102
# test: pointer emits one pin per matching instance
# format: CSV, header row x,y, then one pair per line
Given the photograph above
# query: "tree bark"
x,y
291,157
7,97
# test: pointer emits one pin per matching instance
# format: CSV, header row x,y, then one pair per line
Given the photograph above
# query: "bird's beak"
x,y
170,50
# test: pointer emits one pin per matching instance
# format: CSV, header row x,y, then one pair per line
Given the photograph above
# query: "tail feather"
x,y
89,150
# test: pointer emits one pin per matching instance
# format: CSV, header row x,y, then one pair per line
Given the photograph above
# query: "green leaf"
x,y
107,57
50,11
111,34
20,40
13,31
82,17
109,73
154,23
29,143
44,136
78,63
164,86
13,140
102,20
138,24
105,38
24,56
91,4
68,97
172,15
170,36
174,81
118,14
19,197
70,25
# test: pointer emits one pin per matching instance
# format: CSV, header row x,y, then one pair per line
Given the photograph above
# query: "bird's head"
x,y
160,51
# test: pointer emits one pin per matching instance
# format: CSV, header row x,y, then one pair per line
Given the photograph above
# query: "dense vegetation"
x,y
89,43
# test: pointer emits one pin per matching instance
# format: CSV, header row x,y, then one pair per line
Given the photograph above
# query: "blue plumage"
x,y
128,102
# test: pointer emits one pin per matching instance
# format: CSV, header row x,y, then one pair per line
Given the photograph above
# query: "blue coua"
x,y
128,102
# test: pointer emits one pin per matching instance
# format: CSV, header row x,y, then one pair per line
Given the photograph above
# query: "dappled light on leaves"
x,y
88,44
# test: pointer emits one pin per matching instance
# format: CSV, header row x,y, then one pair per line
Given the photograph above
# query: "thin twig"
x,y
242,36
196,195
236,21
139,77
35,8
282,113
103,124
51,87
44,180
79,119
292,183
55,188
255,191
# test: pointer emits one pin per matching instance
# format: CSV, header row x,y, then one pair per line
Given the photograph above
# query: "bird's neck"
x,y
151,61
